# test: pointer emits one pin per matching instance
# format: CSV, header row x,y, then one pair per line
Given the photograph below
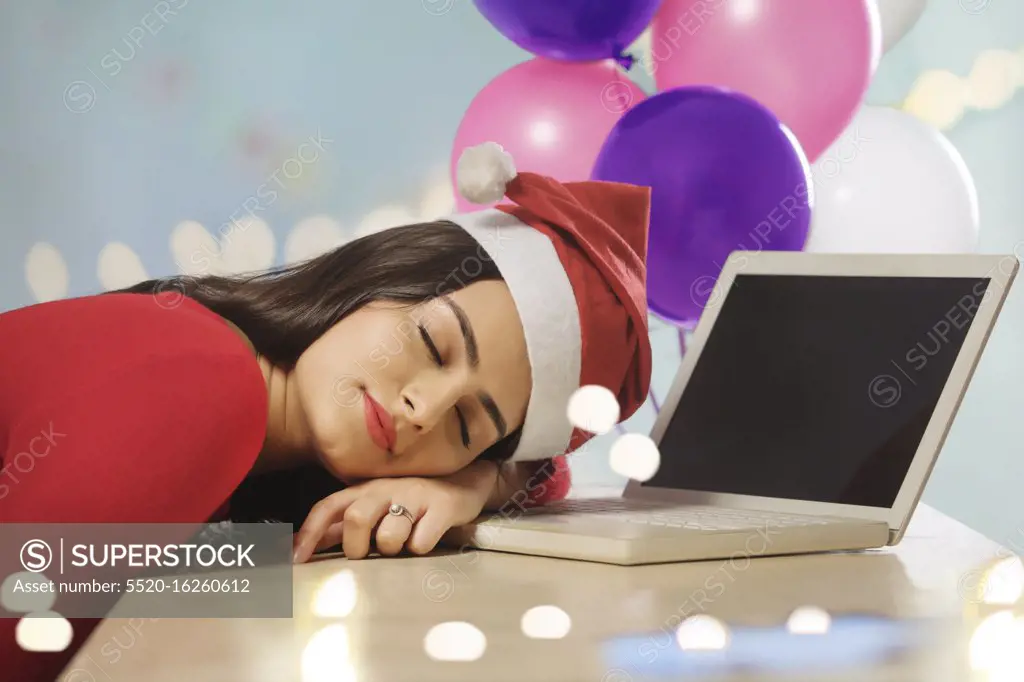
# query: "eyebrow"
x,y
468,337
494,413
473,353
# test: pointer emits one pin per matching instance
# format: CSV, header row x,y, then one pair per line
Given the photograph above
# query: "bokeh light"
x,y
455,641
546,622
634,456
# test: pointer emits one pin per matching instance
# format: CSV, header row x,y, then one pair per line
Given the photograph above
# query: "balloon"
x,y
724,174
572,30
897,18
808,61
892,184
550,116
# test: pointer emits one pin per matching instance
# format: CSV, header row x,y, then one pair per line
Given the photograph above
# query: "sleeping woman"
x,y
374,396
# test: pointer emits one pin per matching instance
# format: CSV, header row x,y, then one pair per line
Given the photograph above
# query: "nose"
x,y
426,401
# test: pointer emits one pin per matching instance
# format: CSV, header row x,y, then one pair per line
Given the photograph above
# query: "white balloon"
x,y
892,184
898,17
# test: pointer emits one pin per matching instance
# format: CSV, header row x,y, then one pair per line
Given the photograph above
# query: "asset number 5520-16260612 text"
x,y
236,585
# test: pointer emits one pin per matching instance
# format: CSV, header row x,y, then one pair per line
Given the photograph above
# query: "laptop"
x,y
806,416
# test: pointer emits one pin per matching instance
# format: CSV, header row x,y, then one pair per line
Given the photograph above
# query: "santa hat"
x,y
573,257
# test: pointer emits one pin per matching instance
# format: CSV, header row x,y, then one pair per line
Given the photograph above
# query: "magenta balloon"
x,y
809,61
551,116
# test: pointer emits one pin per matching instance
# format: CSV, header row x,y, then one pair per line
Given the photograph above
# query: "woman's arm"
x,y
517,484
358,517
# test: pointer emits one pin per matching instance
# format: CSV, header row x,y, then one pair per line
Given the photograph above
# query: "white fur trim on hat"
x,y
483,172
544,298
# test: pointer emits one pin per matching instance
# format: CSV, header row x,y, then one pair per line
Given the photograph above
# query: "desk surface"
x,y
373,621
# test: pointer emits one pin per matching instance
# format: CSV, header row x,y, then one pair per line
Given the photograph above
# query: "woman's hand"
x,y
357,517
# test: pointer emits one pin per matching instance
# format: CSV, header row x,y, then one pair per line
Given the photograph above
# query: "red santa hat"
x,y
574,258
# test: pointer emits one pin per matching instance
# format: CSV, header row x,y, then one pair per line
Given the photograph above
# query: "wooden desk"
x,y
372,628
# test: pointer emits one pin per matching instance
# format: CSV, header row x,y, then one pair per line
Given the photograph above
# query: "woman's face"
x,y
394,390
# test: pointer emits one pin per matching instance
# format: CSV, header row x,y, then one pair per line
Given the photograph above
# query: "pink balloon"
x,y
552,117
809,61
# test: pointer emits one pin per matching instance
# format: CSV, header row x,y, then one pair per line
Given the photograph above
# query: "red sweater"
x,y
127,408
119,408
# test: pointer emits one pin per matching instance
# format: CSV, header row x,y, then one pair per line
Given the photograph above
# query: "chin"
x,y
331,465
333,462
343,451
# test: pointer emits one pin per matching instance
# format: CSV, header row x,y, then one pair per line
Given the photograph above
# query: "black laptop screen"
x,y
817,388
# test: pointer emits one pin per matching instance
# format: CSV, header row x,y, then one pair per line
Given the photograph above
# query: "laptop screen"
x,y
817,388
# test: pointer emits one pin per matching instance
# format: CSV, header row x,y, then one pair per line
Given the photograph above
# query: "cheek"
x,y
325,396
329,373
367,346
435,456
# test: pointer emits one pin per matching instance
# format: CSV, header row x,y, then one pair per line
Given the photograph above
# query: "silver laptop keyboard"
x,y
674,516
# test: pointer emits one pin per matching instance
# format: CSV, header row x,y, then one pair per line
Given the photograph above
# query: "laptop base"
x,y
629,544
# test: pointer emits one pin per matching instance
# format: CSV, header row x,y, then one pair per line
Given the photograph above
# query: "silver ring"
x,y
399,510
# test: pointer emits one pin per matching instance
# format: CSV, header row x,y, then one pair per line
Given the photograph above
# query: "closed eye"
x,y
431,347
439,361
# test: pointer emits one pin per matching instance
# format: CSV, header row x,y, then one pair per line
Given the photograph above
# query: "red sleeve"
x,y
549,480
163,441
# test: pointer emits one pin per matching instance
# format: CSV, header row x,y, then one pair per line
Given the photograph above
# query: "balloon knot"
x,y
626,61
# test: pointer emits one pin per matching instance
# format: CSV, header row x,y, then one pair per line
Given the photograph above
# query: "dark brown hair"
x,y
283,311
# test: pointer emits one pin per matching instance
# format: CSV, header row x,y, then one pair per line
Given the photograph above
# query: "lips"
x,y
379,424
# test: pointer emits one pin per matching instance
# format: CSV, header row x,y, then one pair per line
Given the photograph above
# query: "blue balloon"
x,y
725,175
571,30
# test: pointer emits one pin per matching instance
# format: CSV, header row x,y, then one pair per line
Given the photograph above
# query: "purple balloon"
x,y
571,30
725,175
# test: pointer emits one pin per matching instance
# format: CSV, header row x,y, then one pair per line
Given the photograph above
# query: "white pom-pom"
x,y
483,172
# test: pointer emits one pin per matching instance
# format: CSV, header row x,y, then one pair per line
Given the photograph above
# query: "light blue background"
x,y
389,81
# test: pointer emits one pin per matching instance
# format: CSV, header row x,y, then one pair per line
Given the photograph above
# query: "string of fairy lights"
x,y
942,98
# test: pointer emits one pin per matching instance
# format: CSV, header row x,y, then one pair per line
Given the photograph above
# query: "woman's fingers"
x,y
358,519
361,517
319,521
428,531
331,537
394,530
